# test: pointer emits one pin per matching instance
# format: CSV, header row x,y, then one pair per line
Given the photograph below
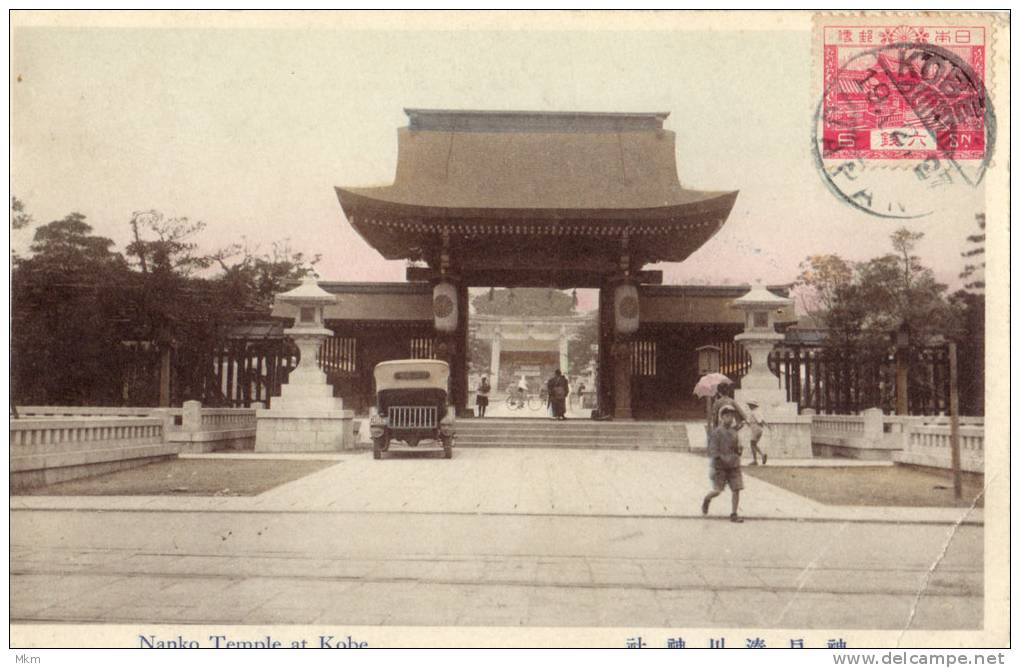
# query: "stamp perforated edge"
x,y
992,21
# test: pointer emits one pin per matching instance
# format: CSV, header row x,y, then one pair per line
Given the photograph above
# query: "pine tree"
x,y
974,274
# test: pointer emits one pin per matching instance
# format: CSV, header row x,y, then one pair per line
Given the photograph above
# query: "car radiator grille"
x,y
412,417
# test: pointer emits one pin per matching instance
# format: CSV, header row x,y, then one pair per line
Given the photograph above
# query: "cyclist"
x,y
522,391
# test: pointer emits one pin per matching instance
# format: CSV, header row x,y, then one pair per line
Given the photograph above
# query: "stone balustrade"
x,y
921,440
933,420
929,446
56,443
172,417
228,418
838,424
55,449
106,411
856,436
209,429
190,419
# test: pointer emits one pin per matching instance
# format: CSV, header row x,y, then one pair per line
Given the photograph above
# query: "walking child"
x,y
724,462
757,424
721,401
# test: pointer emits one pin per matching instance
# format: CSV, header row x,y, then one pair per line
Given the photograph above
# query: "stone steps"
x,y
557,429
572,423
572,434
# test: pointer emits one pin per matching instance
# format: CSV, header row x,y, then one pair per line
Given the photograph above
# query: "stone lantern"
x,y
306,417
308,301
788,434
758,339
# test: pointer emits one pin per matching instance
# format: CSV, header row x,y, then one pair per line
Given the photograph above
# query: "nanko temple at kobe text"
x,y
536,199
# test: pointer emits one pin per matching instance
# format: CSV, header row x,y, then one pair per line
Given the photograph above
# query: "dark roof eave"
x,y
357,201
494,120
374,288
731,291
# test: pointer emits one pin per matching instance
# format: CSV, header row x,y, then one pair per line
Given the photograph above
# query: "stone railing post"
x,y
873,425
191,416
810,412
167,417
899,432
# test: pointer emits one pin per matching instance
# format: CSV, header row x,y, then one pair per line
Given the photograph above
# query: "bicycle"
x,y
515,401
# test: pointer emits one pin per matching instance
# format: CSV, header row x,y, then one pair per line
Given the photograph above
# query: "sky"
x,y
249,130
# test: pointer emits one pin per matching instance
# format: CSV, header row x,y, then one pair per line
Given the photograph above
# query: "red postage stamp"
x,y
894,92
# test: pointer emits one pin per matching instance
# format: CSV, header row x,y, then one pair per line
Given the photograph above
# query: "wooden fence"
x,y
250,373
734,361
243,373
833,380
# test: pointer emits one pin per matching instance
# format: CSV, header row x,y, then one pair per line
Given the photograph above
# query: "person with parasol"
x,y
724,462
714,387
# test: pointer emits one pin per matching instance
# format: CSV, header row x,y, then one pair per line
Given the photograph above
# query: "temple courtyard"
x,y
495,537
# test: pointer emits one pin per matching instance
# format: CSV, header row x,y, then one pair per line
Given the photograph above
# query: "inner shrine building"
x,y
535,199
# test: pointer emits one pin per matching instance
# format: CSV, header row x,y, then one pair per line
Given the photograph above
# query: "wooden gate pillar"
x,y
452,344
604,381
615,371
164,376
621,380
459,352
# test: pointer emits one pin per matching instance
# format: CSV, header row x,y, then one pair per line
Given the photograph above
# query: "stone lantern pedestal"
x,y
759,384
306,417
790,433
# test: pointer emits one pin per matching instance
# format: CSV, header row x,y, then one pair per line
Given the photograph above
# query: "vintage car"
x,y
411,405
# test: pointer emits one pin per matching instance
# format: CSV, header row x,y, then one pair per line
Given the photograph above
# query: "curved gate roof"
x,y
476,174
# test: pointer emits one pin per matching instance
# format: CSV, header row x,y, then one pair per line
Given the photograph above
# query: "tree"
x,y
921,301
971,302
191,316
167,245
822,278
67,247
580,354
180,313
974,274
861,303
256,278
524,302
479,355
86,320
66,310
19,219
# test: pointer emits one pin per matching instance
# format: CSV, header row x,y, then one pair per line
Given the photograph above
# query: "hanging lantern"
x,y
444,306
626,308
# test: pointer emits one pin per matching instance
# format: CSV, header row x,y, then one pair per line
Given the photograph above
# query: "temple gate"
x,y
538,199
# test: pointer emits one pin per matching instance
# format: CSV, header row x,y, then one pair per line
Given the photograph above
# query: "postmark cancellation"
x,y
903,93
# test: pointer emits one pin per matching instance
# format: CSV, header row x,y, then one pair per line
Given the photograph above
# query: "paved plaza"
x,y
496,537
